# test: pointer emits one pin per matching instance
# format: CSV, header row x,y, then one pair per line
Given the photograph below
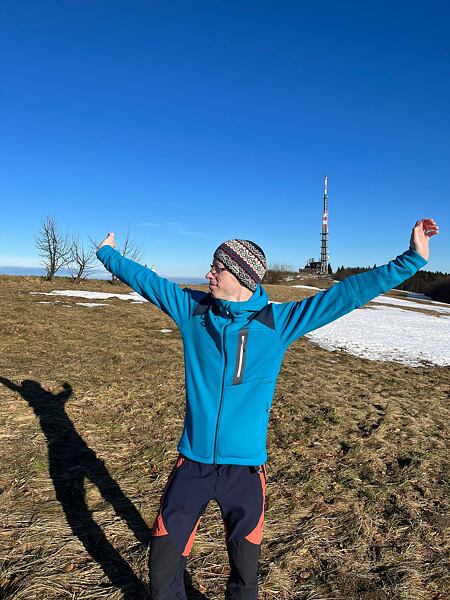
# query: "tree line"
x,y
58,249
434,284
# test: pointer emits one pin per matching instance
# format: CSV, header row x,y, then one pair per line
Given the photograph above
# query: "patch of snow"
x,y
436,307
165,330
425,300
306,287
93,295
388,334
90,304
417,295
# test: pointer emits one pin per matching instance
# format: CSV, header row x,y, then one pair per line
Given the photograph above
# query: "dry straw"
x,y
358,490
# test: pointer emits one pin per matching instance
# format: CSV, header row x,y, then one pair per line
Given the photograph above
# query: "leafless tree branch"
x,y
53,247
128,248
81,260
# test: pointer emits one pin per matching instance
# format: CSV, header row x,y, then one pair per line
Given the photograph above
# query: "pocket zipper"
x,y
240,358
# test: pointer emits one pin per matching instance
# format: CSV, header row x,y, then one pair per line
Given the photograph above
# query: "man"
x,y
234,341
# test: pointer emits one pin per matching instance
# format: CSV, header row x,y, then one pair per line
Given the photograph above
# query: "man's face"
x,y
222,283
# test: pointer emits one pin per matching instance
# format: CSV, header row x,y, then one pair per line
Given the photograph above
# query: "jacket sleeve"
x,y
294,319
166,295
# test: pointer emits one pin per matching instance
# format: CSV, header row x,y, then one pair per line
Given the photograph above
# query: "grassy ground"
x,y
91,411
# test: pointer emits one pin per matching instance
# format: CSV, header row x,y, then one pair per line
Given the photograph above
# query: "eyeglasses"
x,y
215,269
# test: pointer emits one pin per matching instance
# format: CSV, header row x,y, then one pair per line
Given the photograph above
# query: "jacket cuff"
x,y
414,261
104,252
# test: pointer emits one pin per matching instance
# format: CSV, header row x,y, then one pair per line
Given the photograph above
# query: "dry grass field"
x,y
91,411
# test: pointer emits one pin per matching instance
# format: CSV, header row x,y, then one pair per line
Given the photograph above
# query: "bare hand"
x,y
420,236
108,241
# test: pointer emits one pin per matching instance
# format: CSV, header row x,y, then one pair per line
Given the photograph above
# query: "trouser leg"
x,y
167,567
243,580
241,497
188,490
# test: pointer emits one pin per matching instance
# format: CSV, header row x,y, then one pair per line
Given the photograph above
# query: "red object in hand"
x,y
429,227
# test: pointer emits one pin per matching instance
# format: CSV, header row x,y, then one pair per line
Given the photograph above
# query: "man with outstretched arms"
x,y
234,342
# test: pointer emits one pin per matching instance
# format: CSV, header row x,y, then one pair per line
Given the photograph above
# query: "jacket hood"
x,y
256,302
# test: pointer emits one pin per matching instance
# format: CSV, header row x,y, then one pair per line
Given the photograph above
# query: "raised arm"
x,y
294,319
168,296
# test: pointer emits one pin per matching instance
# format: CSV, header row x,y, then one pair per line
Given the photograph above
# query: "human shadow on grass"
x,y
70,461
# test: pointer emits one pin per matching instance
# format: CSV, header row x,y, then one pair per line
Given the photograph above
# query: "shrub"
x,y
276,273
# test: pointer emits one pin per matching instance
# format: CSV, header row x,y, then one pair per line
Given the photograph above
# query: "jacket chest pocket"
x,y
240,356
255,356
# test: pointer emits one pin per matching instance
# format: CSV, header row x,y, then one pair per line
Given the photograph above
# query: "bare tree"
x,y
129,249
53,247
81,260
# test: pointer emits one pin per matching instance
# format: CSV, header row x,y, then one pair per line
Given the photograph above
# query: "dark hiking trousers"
x,y
240,493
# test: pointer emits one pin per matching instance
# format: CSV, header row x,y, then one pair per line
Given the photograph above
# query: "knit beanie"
x,y
244,259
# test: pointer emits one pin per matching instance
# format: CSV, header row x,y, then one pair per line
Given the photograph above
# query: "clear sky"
x,y
192,122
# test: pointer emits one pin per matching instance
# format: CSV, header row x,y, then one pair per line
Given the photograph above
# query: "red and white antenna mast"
x,y
324,245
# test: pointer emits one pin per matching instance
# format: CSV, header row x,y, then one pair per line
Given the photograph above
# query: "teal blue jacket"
x,y
233,350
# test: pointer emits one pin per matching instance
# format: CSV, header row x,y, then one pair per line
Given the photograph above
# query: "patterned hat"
x,y
244,259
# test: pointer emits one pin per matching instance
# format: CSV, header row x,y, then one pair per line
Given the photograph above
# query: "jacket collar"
x,y
256,302
256,307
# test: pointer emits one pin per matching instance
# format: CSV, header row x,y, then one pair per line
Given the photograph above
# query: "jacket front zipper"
x,y
221,395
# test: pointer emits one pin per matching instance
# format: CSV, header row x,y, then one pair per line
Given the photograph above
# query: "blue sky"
x,y
195,122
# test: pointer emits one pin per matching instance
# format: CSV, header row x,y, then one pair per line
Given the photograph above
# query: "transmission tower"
x,y
324,245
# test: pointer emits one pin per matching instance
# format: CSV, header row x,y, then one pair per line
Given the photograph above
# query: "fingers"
x,y
108,241
429,226
426,222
